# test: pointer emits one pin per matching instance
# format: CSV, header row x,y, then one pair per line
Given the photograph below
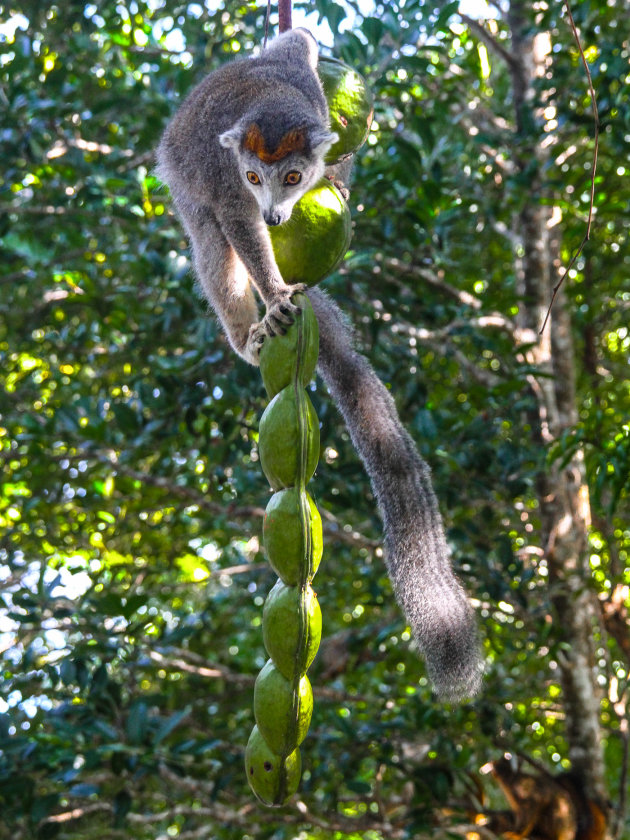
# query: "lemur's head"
x,y
278,167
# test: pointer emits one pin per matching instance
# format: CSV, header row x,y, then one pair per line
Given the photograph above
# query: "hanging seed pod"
x,y
282,707
272,778
291,644
288,442
350,104
280,359
289,449
289,536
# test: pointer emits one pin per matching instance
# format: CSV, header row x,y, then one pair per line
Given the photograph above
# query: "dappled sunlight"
x,y
133,574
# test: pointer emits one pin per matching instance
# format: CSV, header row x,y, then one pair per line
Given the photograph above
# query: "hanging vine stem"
x,y
284,15
587,235
284,18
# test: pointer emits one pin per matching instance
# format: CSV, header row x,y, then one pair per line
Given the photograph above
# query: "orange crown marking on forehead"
x,y
293,141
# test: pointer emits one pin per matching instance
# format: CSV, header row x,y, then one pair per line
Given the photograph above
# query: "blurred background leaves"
x,y
130,505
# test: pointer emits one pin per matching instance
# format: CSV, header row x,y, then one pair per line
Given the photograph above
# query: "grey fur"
x,y
203,160
417,555
204,163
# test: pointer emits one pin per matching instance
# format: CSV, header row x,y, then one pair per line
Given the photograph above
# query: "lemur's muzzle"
x,y
273,217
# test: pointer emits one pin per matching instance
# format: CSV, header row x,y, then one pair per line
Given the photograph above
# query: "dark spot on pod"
x,y
268,766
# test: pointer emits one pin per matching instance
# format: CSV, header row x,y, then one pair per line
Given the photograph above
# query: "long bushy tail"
x,y
417,556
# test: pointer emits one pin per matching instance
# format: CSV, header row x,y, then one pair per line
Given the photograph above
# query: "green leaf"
x,y
122,806
137,722
169,725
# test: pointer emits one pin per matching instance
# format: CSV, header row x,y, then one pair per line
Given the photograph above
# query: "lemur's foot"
x,y
255,339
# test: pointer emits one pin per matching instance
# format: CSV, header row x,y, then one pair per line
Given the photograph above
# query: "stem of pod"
x,y
289,450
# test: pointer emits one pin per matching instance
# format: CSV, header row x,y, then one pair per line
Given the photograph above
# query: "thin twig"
x,y
587,235
267,16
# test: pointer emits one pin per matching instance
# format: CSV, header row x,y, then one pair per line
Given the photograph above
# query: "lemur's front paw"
x,y
281,311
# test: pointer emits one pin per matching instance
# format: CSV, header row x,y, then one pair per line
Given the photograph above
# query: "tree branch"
x,y
185,493
488,39
178,664
425,275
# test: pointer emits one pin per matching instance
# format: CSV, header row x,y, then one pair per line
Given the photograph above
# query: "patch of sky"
x,y
70,582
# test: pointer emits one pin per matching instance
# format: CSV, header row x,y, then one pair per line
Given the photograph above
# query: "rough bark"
x,y
563,498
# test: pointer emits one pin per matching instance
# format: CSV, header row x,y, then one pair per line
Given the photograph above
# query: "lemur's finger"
x,y
296,288
276,326
285,314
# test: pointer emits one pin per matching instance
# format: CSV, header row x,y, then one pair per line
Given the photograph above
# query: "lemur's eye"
x,y
253,178
292,178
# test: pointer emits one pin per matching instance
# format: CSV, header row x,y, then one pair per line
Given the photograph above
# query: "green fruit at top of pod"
x,y
288,442
292,534
350,105
292,628
282,355
274,779
314,240
282,709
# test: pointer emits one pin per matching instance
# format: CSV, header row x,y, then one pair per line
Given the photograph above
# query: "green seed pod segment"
x,y
314,241
273,779
350,105
281,356
291,653
289,449
286,538
283,708
288,442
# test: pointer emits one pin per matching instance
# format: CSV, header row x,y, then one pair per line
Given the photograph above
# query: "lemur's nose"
x,y
272,217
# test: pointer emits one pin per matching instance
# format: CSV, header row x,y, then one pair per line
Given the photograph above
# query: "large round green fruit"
x,y
312,243
350,105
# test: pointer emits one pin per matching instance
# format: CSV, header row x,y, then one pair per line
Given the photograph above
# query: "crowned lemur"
x,y
244,146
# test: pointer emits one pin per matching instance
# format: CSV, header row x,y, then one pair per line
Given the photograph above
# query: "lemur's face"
x,y
278,179
278,186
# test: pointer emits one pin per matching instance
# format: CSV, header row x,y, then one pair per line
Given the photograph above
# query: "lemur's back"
x,y
230,91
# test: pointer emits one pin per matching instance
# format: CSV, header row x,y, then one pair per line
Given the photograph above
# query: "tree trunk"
x,y
563,494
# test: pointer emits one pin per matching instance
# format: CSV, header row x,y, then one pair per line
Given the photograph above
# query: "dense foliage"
x,y
131,494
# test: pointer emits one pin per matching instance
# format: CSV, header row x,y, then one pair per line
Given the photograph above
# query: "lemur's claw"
x,y
343,189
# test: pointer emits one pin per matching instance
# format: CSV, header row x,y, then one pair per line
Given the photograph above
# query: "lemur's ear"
x,y
321,141
231,139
